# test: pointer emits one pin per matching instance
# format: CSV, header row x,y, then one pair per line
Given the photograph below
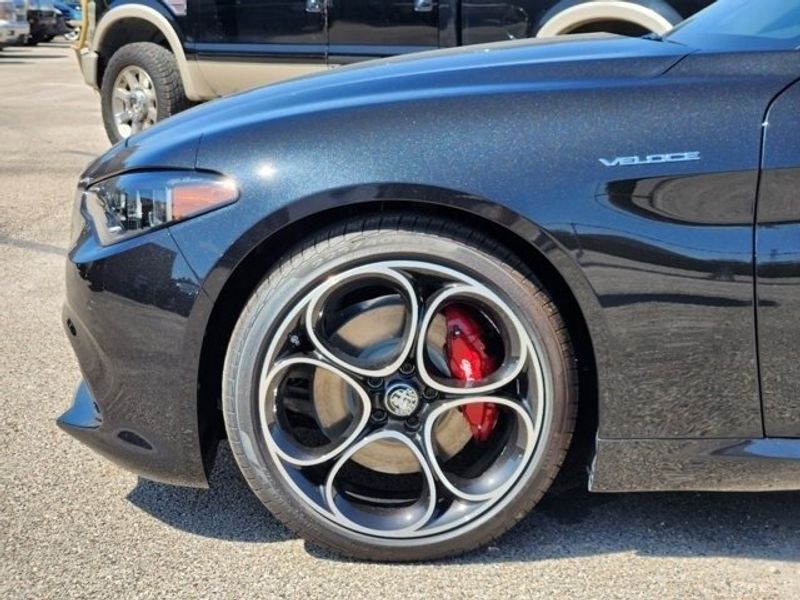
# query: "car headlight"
x,y
128,205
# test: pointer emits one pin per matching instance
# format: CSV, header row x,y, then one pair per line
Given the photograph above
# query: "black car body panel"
x,y
762,464
778,268
180,153
659,255
694,263
156,303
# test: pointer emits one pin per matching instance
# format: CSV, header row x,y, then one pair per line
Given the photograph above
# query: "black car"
x,y
68,21
399,286
42,19
151,58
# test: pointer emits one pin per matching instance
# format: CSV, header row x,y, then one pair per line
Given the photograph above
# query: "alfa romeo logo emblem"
x,y
401,400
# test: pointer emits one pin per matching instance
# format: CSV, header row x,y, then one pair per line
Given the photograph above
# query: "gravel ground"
x,y
74,525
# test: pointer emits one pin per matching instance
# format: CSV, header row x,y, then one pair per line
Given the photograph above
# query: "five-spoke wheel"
x,y
392,401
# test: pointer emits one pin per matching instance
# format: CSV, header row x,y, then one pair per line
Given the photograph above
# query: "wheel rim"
x,y
364,420
133,101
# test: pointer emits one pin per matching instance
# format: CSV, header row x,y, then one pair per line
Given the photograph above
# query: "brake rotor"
x,y
370,332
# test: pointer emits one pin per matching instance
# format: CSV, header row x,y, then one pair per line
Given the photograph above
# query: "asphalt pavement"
x,y
73,525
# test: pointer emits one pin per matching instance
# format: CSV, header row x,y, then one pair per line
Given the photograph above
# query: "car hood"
x,y
585,60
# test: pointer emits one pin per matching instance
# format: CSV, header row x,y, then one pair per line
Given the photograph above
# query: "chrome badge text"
x,y
650,159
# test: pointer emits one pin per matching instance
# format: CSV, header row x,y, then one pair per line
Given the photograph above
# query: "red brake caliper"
x,y
469,361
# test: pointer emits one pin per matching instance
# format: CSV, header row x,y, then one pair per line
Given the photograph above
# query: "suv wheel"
x,y
141,85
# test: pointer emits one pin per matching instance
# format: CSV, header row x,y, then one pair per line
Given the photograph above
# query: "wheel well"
x,y
123,32
619,26
628,17
252,270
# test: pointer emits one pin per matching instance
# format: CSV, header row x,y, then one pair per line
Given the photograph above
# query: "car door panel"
x,y
778,267
489,20
361,29
239,44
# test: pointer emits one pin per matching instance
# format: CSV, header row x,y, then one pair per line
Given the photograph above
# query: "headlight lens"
x,y
128,205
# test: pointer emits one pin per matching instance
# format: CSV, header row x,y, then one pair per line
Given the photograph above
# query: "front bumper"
x,y
128,316
87,60
13,32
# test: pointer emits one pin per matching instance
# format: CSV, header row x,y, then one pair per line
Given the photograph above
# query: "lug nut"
x,y
412,423
374,382
378,416
430,394
407,369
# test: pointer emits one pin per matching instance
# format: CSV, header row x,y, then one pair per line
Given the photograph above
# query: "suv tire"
x,y
148,87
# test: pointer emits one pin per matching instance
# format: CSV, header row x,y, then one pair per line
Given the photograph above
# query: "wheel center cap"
x,y
137,101
401,399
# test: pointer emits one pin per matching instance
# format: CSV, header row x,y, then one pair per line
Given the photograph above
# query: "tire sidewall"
x,y
261,316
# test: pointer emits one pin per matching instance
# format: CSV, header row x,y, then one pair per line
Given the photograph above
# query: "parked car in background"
x,y
68,22
14,26
151,59
42,19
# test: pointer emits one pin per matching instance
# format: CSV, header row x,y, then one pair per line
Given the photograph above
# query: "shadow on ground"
x,y
23,54
16,56
568,522
228,510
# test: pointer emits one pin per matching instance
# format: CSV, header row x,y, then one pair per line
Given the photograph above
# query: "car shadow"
x,y
15,56
228,510
6,240
568,522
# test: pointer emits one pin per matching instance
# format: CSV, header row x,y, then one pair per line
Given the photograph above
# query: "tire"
x,y
511,290
160,85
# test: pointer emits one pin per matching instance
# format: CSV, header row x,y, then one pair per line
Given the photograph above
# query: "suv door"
x,y
362,29
240,44
778,267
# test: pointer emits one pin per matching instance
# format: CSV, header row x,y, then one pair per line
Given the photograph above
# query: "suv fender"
x,y
194,85
566,16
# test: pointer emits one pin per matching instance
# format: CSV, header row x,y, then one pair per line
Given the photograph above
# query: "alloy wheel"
x,y
402,399
134,101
